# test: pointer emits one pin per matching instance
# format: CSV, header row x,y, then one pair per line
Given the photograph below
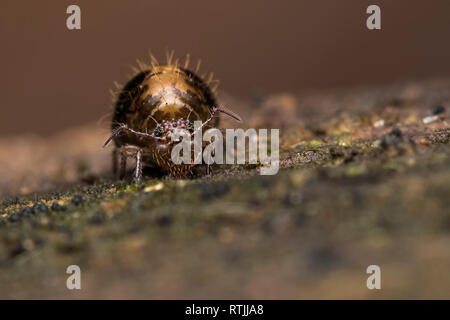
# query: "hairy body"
x,y
150,107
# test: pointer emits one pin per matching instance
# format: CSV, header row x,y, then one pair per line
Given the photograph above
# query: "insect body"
x,y
150,108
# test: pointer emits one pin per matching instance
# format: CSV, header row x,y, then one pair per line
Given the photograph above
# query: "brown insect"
x,y
158,100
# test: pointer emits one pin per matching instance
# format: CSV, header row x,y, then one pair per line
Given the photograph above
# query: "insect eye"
x,y
158,131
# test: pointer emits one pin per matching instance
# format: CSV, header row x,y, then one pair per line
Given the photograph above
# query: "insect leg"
x,y
197,157
209,170
138,171
123,163
119,129
114,161
127,151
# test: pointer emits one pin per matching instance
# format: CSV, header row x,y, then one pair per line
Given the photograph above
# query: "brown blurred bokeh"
x,y
52,78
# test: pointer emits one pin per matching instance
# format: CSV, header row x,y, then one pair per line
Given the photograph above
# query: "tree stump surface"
x,y
362,181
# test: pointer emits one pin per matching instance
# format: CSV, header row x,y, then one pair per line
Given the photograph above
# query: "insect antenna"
x,y
189,114
123,127
213,112
151,117
230,113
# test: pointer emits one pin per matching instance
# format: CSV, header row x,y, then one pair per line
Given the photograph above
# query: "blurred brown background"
x,y
52,78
